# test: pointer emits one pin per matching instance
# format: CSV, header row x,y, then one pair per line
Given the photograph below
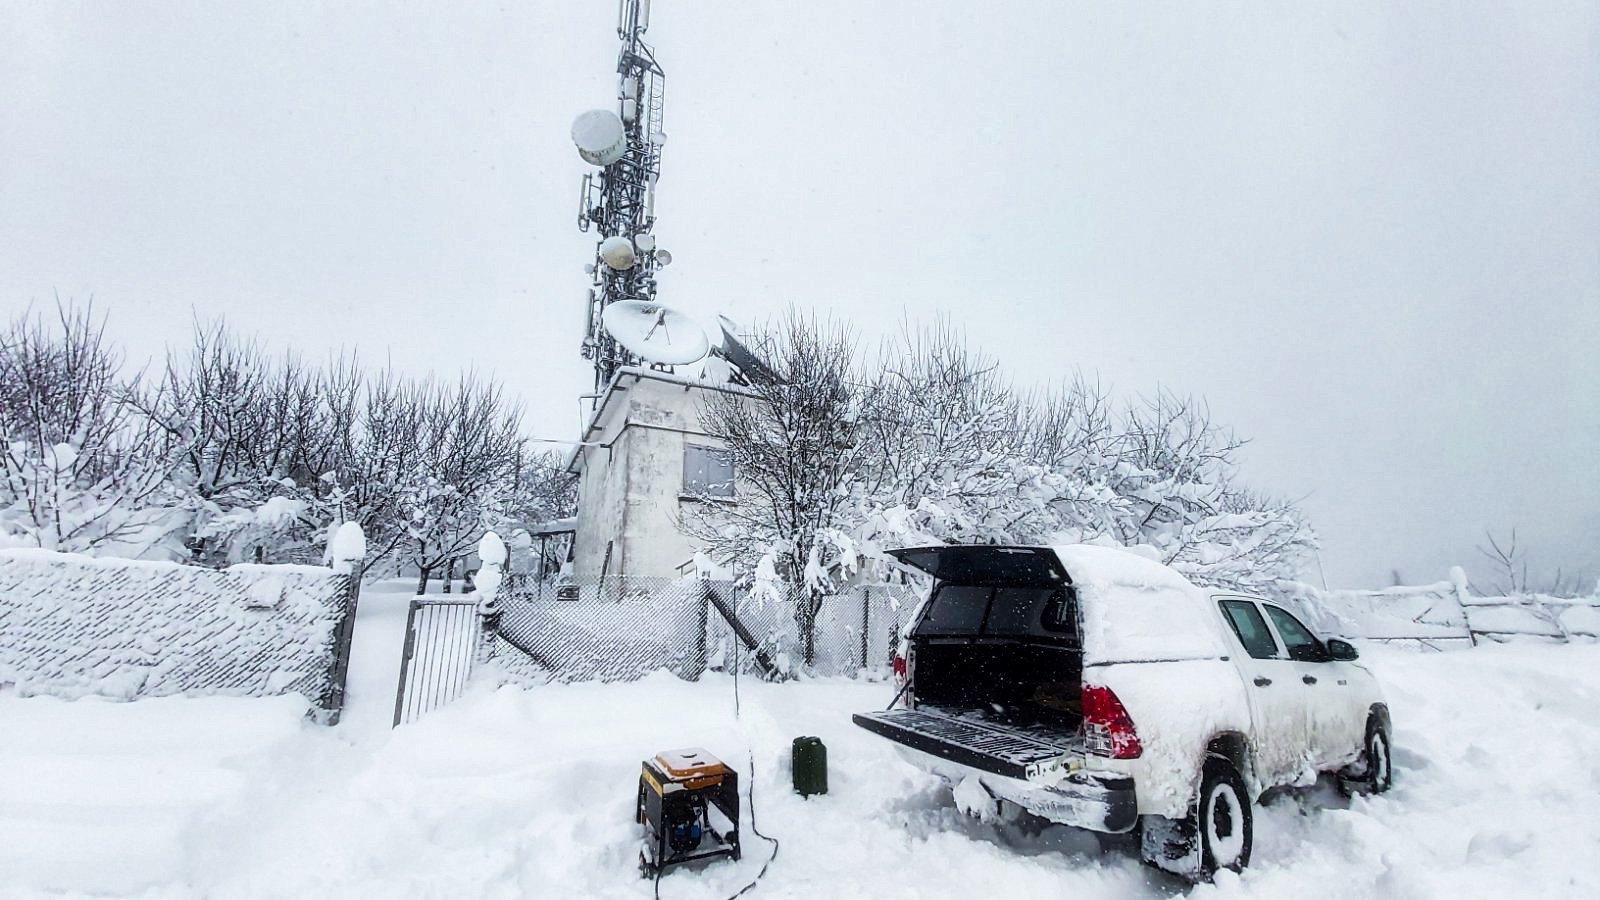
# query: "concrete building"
x,y
643,461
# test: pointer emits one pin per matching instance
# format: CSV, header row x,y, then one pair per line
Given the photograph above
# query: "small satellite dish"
x,y
600,137
751,368
645,242
617,252
663,258
656,333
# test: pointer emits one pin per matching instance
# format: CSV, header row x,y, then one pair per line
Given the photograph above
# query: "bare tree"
x,y
796,445
471,446
1509,562
1177,490
80,467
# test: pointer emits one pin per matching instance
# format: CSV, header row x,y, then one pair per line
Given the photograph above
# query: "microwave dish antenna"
x,y
655,333
748,366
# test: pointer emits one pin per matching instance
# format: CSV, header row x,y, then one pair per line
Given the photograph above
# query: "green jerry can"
x,y
810,766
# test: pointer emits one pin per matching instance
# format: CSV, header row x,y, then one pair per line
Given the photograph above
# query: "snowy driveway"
x,y
513,793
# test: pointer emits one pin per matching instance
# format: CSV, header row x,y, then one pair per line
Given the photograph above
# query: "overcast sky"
x,y
1368,233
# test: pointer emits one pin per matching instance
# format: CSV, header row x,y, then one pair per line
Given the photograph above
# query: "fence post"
x,y
702,646
492,552
348,550
1458,583
866,621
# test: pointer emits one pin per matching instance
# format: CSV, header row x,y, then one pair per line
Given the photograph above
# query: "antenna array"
x,y
619,200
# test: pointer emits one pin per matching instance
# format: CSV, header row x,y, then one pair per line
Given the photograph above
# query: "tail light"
x,y
1107,728
899,666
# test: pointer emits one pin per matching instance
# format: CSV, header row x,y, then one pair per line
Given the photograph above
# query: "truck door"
x,y
1279,700
1338,719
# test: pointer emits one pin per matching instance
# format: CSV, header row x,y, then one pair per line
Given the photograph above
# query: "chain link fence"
x,y
73,626
618,628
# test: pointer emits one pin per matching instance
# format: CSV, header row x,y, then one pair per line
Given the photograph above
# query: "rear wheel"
x,y
1224,823
1216,834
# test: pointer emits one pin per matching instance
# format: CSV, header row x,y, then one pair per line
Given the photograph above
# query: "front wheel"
x,y
1380,774
1373,773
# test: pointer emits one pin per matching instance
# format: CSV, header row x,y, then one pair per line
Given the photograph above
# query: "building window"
x,y
707,471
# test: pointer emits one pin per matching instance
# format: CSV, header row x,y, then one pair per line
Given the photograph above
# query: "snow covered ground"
x,y
528,793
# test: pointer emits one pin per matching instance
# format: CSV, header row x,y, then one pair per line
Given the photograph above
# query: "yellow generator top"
x,y
692,767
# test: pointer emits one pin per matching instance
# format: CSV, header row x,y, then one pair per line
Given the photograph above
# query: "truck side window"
x,y
1298,639
1252,630
1060,612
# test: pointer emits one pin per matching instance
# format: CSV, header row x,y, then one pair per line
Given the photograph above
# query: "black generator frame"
x,y
673,797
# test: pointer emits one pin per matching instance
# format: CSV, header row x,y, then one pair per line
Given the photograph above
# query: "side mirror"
x,y
1342,651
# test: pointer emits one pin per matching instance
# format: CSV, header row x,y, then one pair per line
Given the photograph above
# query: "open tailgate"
x,y
1029,755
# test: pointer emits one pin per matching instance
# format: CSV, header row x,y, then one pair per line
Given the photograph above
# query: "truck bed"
x,y
967,737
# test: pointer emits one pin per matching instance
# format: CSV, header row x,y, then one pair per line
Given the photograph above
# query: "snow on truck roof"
x,y
1136,609
1119,566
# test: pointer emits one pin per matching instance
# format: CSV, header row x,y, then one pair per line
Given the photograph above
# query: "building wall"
x,y
630,486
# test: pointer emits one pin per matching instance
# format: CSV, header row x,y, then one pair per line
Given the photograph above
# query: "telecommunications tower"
x,y
619,200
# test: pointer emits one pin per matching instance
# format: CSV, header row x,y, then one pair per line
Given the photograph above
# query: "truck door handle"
x,y
1262,681
1309,679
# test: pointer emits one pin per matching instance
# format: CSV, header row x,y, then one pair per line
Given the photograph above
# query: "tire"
x,y
1378,755
1224,825
1216,834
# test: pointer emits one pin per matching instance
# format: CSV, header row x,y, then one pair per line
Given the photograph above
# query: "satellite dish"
x,y
750,366
663,258
655,333
600,137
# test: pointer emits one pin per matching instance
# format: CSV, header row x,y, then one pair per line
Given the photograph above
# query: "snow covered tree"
x,y
797,445
81,469
471,449
1175,482
247,427
834,468
947,438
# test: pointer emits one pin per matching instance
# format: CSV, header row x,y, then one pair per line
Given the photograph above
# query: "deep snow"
x,y
528,793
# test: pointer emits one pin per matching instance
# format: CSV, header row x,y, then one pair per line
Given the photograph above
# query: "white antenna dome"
x,y
618,252
600,137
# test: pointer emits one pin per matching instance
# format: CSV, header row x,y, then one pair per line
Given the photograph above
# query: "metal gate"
x,y
441,645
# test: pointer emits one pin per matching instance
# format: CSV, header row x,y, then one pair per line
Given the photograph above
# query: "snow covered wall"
x,y
1444,611
72,626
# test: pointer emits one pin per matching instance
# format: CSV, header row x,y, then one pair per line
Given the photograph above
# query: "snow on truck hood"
x,y
1135,609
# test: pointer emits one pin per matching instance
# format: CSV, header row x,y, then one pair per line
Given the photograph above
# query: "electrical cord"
x,y
750,788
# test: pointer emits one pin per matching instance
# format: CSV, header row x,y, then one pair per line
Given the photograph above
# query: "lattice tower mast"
x,y
619,200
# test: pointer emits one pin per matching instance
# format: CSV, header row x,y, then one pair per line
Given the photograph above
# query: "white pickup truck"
x,y
1100,689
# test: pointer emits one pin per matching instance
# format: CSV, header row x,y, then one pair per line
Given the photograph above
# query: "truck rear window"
x,y
973,610
956,609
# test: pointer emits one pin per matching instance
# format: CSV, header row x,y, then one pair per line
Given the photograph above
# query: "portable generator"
x,y
689,807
